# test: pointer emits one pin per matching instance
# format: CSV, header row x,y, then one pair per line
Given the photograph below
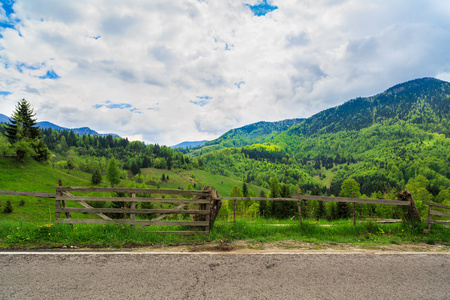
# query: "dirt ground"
x,y
244,247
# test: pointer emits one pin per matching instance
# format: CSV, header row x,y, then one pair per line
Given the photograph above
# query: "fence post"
x,y
57,207
63,201
299,207
133,206
354,217
430,207
234,210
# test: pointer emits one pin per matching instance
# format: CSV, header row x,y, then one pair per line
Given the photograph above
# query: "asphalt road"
x,y
224,276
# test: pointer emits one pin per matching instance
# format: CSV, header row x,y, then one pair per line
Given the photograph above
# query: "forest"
x,y
396,140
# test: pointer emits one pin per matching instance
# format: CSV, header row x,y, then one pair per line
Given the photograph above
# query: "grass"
x,y
31,224
181,178
18,234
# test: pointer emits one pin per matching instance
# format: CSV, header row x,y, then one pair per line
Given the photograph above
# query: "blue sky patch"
x,y
7,6
262,8
22,66
202,100
110,105
50,75
4,93
238,84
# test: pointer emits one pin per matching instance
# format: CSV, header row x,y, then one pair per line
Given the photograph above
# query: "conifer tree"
x,y
96,177
24,135
22,123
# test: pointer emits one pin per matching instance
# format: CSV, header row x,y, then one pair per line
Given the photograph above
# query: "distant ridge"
x,y
4,119
79,131
189,144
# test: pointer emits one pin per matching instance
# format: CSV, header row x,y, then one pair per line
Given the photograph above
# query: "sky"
x,y
168,71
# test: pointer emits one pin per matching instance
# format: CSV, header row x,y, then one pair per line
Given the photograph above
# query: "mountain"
x,y
398,139
4,119
189,144
253,133
419,101
45,124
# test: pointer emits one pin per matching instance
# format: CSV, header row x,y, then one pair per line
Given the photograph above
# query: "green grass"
x,y
181,178
31,225
17,234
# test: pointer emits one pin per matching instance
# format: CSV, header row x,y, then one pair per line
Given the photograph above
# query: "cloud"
x,y
191,70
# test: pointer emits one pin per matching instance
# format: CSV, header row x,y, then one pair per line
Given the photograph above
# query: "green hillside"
x,y
259,132
396,140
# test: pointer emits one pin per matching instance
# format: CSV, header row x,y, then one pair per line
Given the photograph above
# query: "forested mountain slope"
x,y
424,102
395,140
254,133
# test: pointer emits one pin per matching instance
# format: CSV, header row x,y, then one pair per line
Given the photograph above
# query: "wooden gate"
x,y
196,204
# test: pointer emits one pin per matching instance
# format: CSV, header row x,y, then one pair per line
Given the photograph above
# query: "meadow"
x,y
32,222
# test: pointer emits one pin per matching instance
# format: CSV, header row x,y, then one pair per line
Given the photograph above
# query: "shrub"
x,y
8,209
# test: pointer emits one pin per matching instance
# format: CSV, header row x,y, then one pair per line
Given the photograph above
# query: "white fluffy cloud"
x,y
169,71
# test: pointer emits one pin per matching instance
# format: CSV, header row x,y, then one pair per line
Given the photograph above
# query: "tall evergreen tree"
x,y
22,123
24,135
244,189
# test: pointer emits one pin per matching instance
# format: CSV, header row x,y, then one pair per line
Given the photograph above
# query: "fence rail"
x,y
298,197
207,200
28,194
432,213
201,216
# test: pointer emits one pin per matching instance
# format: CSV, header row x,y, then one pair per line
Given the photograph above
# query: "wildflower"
x,y
49,234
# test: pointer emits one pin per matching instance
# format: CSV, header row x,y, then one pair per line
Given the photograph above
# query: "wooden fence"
x,y
208,206
298,197
432,213
201,215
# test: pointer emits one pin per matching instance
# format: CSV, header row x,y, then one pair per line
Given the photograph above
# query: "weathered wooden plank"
x,y
105,217
133,206
171,212
447,223
320,198
436,204
57,207
127,199
135,222
439,213
429,217
347,199
254,198
165,215
132,190
128,210
28,194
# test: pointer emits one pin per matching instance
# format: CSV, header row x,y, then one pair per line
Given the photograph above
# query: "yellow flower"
x,y
49,233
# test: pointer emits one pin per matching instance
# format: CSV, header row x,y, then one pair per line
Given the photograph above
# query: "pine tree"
x,y
24,135
244,189
8,209
96,177
22,123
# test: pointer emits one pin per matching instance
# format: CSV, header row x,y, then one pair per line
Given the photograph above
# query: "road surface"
x,y
135,275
